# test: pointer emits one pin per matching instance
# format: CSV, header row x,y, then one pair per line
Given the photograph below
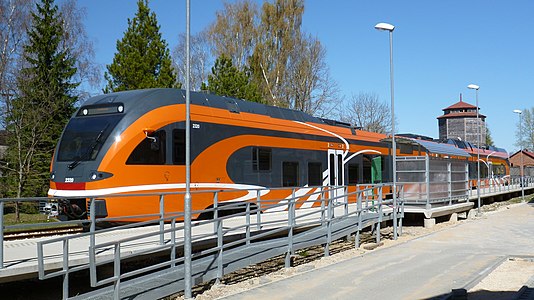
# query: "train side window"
x,y
405,149
261,159
315,172
354,171
178,146
151,150
290,173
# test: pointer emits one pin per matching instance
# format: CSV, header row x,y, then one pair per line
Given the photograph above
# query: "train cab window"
x,y
178,146
151,150
315,172
261,159
290,173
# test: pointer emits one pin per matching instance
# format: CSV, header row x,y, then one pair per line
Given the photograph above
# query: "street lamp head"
x,y
473,87
384,26
517,111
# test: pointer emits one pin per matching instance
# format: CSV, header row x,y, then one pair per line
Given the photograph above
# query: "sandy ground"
x,y
509,276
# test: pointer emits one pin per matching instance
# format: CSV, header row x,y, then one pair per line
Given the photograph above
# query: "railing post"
x,y
328,227
247,235
258,214
117,272
161,220
323,199
92,215
427,178
290,224
346,192
66,269
1,234
359,209
215,211
379,215
220,272
173,241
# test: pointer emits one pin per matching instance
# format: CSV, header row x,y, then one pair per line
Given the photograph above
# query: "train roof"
x,y
148,99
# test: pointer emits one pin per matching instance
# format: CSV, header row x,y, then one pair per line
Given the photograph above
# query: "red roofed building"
x,y
459,121
528,163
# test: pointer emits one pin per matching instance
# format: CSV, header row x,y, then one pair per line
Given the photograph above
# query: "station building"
x,y
459,122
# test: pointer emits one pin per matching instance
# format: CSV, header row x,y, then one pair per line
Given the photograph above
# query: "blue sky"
x,y
439,48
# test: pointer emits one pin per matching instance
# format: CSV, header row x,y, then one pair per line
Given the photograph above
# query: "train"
x,y
133,142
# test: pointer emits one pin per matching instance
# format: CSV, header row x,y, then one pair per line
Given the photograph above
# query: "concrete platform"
x,y
438,211
427,267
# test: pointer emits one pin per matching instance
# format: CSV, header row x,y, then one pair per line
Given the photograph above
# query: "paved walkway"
x,y
422,268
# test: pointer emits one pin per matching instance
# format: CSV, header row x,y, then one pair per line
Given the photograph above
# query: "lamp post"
x,y
476,87
390,28
187,197
520,113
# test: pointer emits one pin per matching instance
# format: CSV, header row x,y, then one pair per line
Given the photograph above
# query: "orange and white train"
x,y
133,142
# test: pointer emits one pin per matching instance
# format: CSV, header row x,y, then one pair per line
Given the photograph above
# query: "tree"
x,y
227,80
200,59
525,130
367,112
14,21
79,45
310,87
288,66
489,139
45,101
143,58
235,32
279,32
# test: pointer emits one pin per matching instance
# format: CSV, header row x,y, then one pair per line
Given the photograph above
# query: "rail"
x,y
250,224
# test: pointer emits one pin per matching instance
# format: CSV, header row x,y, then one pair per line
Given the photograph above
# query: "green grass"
x,y
25,219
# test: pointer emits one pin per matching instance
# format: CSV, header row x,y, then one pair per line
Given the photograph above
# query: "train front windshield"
x,y
84,136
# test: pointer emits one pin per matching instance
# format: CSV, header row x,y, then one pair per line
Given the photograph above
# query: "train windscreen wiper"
x,y
89,150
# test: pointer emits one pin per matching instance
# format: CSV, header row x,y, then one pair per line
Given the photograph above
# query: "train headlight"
x,y
93,176
85,111
52,175
120,108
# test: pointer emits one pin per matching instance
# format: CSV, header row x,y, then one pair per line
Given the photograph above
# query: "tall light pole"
x,y
187,197
390,28
476,87
520,113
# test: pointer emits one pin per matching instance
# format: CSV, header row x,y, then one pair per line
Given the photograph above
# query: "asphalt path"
x,y
426,267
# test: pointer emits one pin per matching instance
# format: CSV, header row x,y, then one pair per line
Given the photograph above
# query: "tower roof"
x,y
469,114
460,105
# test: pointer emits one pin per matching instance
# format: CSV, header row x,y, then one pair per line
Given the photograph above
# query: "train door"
x,y
336,176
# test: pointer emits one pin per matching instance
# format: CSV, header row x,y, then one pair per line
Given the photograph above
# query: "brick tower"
x,y
459,121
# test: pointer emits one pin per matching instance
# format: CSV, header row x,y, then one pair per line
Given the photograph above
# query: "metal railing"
x,y
250,224
497,185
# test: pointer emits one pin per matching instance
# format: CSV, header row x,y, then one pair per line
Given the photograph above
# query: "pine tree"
x,y
143,59
45,101
227,80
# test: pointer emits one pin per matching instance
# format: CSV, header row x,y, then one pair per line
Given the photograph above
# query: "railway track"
x,y
42,232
